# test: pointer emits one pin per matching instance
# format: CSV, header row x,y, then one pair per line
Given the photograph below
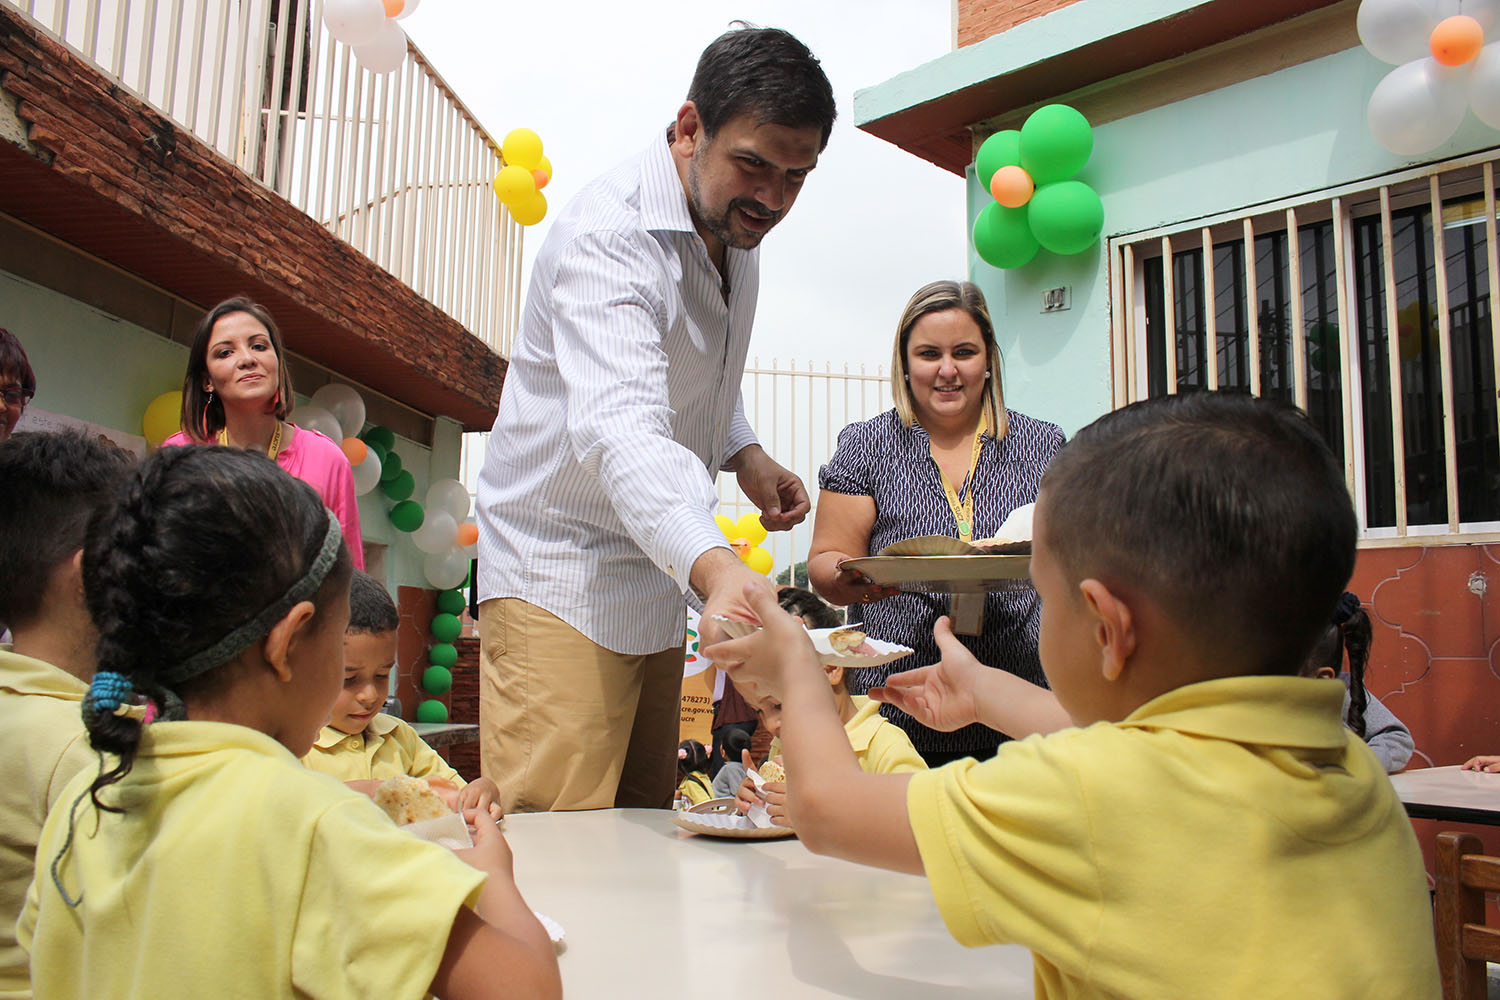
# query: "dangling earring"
x,y
986,374
203,420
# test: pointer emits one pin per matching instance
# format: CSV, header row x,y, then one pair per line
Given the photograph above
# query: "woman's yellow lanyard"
x,y
272,450
963,512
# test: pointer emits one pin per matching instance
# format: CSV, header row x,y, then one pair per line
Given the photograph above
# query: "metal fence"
x,y
797,412
393,164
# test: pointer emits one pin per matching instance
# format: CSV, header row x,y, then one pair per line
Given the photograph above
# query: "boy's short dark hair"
x,y
766,73
14,363
812,609
53,484
370,606
1228,511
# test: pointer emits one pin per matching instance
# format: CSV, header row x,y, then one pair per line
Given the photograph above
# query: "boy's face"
x,y
768,711
368,659
1071,657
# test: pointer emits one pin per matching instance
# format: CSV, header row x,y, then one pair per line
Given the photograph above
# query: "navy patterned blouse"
x,y
893,465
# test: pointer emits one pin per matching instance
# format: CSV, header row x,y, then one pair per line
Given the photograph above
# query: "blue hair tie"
x,y
108,691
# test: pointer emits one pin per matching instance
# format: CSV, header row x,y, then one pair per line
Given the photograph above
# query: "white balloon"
x,y
436,533
1418,107
1484,85
449,495
1486,12
353,22
446,570
409,9
346,405
386,51
315,418
367,474
1396,31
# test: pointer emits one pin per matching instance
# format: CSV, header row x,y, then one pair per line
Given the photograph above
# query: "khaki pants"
x,y
568,724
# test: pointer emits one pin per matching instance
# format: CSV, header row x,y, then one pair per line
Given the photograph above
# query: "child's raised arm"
x,y
836,808
959,690
500,934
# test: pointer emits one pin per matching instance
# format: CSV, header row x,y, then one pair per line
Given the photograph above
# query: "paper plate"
x,y
732,826
973,574
554,931
885,652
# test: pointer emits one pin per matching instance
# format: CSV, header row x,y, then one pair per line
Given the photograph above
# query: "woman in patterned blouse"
x,y
948,459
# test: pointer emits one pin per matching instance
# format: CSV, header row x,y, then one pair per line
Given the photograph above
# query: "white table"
x,y
1450,793
653,911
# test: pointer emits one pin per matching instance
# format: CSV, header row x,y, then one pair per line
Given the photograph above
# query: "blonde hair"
x,y
940,296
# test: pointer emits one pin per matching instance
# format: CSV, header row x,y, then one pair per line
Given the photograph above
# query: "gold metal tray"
x,y
972,574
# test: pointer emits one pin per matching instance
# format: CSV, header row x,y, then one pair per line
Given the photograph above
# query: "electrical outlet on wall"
x,y
1057,299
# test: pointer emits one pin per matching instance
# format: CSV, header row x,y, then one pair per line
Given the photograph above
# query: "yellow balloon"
x,y
160,421
529,210
759,560
545,166
513,184
750,529
725,525
522,148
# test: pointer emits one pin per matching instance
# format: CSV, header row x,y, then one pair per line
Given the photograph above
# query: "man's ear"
x,y
282,640
689,134
1114,627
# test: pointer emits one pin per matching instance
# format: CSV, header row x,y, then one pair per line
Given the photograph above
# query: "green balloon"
x,y
432,710
1002,237
1066,217
401,487
1055,144
452,602
445,627
407,516
437,680
380,452
390,467
382,436
1003,149
443,654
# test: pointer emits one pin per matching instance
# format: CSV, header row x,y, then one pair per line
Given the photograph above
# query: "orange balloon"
x,y
1012,186
1456,40
542,177
393,8
355,450
468,534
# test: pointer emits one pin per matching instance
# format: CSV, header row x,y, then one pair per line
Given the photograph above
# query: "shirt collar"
x,y
1263,710
663,202
29,676
867,720
379,726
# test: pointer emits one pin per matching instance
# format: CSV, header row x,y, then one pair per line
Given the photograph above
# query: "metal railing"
x,y
797,412
393,164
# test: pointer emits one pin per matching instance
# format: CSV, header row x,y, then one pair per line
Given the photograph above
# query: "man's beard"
x,y
719,225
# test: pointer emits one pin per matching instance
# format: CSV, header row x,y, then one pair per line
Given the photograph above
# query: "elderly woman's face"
x,y
946,362
243,369
12,402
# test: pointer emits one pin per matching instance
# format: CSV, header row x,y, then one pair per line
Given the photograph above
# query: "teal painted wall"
x,y
97,367
1301,129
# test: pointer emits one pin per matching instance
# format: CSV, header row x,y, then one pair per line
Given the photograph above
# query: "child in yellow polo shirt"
x,y
205,860
1208,816
53,483
363,746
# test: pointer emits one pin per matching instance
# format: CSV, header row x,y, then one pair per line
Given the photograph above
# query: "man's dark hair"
x,y
1228,511
53,484
370,606
764,72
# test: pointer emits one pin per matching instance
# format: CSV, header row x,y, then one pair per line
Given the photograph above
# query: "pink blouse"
x,y
320,463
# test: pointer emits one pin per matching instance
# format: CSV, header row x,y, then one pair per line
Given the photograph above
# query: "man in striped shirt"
x,y
621,404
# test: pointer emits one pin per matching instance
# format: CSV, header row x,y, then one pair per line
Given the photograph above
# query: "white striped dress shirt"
x,y
621,404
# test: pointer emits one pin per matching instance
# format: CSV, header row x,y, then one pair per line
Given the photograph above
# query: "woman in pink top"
x,y
237,393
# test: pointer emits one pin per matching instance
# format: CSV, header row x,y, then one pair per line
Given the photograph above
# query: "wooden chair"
x,y
1464,942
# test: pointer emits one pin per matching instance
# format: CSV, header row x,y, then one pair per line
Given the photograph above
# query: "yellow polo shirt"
x,y
235,871
388,747
881,746
43,744
1229,839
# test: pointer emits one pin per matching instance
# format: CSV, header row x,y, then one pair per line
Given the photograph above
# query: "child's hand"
x,y
481,793
491,852
940,696
775,796
746,796
1490,764
447,791
756,663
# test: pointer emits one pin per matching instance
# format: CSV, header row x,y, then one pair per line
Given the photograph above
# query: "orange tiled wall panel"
x,y
979,19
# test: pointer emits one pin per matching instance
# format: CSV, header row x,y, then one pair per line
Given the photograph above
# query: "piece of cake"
x,y
850,640
772,771
409,800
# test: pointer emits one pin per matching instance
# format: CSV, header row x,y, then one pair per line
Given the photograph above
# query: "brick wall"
x,y
979,19
101,170
463,705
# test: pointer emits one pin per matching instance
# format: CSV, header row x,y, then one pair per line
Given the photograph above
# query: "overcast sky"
x,y
597,80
